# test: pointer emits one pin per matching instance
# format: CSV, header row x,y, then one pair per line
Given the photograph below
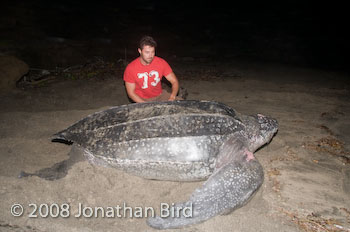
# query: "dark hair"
x,y
147,41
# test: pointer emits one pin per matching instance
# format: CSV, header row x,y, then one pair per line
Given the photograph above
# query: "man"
x,y
144,74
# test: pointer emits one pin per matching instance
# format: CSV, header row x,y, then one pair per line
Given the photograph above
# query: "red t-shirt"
x,y
147,78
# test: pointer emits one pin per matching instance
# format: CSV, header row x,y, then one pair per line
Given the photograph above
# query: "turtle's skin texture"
x,y
180,141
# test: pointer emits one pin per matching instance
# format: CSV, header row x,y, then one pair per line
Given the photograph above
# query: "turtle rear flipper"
x,y
60,169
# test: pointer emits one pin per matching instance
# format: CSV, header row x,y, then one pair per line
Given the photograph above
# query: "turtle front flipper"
x,y
232,184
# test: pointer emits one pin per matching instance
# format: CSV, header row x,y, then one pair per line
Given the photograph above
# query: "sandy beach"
x,y
306,165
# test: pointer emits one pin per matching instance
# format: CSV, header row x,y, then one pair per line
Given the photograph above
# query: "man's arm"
x,y
174,85
130,89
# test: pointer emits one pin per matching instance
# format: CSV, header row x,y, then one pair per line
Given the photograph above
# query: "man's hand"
x,y
172,98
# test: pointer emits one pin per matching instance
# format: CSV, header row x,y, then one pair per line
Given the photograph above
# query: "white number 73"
x,y
145,76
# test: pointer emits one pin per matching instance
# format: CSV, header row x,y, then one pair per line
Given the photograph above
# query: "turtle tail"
x,y
61,137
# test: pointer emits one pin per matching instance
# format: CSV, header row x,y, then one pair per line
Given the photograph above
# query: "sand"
x,y
307,170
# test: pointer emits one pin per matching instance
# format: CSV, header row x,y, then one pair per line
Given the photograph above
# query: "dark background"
x,y
62,33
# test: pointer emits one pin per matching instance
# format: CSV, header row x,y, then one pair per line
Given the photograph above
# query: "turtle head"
x,y
266,128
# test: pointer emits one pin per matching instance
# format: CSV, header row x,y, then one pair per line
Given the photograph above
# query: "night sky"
x,y
302,33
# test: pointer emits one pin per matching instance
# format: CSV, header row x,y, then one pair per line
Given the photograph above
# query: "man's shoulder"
x,y
160,60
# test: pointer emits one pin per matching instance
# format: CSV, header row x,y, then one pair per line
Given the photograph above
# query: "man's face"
x,y
147,54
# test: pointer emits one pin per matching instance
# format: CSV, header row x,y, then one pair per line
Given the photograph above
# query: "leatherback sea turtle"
x,y
180,141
